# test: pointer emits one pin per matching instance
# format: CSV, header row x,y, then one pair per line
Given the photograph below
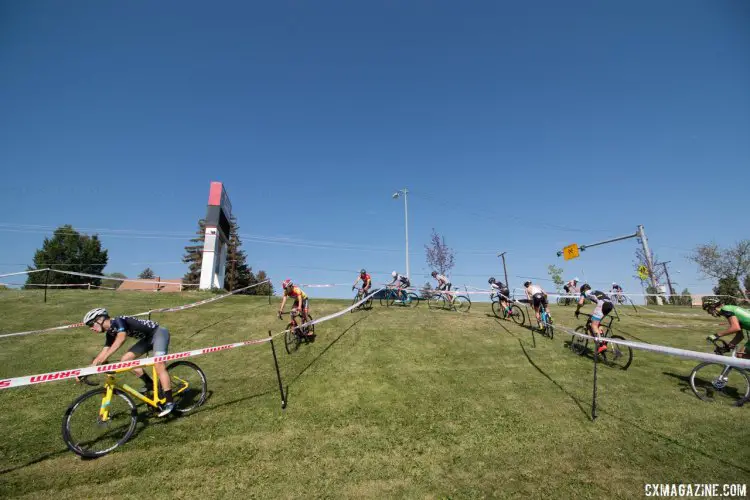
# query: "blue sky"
x,y
520,127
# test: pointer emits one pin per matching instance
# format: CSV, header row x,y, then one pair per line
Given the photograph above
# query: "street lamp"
x,y
404,192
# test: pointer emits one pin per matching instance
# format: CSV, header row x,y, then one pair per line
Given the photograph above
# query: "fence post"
x,y
46,284
278,373
593,399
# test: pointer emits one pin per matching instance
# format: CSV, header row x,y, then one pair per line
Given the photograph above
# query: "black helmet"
x,y
491,281
585,287
434,273
362,271
711,302
526,284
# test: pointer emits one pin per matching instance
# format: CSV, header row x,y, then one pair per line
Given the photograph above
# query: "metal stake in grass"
x,y
278,373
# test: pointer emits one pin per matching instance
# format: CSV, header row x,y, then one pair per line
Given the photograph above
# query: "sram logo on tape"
x,y
54,376
4,383
169,357
215,349
117,366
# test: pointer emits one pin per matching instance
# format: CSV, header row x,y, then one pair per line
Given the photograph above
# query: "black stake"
x,y
46,282
278,373
593,400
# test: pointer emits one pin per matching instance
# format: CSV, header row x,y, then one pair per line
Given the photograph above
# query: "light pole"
x,y
404,192
504,269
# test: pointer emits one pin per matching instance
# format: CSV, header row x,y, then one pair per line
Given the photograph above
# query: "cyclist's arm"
x,y
109,350
299,302
283,303
734,327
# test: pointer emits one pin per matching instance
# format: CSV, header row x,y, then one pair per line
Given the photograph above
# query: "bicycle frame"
x,y
110,384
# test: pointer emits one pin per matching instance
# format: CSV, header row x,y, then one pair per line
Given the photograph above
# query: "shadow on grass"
x,y
199,330
35,461
673,441
571,396
684,381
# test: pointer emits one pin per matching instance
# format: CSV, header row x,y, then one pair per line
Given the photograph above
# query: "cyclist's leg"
x,y
536,302
161,348
139,349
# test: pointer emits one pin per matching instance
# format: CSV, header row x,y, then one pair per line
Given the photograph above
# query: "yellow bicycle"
x,y
100,420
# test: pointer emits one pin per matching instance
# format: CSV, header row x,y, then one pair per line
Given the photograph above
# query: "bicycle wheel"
x,y
189,386
412,299
87,435
709,382
354,301
291,339
368,303
579,345
549,329
618,355
517,315
462,303
310,329
498,310
436,302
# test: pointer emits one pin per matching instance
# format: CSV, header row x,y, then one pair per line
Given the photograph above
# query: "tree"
x,y
728,286
147,274
238,274
556,274
685,299
715,262
113,283
68,250
746,285
640,260
265,288
426,291
439,256
194,255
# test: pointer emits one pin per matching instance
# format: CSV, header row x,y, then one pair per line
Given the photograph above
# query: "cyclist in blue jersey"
x,y
149,335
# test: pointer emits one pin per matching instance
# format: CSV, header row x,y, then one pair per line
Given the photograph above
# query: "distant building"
x,y
152,285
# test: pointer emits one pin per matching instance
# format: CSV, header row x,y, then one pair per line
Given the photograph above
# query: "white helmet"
x,y
394,274
614,284
576,279
93,314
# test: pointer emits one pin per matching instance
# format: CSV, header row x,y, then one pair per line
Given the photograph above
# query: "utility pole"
x,y
404,192
505,270
649,263
666,272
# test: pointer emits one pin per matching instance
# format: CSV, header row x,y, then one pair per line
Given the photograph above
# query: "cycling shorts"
x,y
603,307
538,299
159,343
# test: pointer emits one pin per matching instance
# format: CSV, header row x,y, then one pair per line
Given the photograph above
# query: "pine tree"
x,y
73,252
147,274
238,274
194,255
265,288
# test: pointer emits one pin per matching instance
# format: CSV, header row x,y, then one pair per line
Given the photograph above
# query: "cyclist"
x,y
444,284
738,319
603,307
616,291
366,282
150,336
298,296
401,282
571,286
537,297
498,288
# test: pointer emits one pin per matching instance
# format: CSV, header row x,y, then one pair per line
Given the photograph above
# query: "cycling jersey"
x,y
500,290
743,315
142,329
401,279
295,292
534,289
365,279
603,303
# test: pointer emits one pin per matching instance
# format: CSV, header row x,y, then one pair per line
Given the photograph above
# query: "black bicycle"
x,y
616,355
512,310
361,295
296,334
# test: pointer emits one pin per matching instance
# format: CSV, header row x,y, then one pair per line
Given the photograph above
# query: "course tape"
x,y
673,351
91,370
22,272
167,309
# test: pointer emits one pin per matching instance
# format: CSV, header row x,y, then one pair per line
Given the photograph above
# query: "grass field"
x,y
387,403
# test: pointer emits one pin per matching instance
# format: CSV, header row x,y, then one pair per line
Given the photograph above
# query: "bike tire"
x,y
436,302
704,385
189,386
550,329
413,299
579,345
129,418
310,328
354,301
498,310
462,303
618,355
291,339
518,316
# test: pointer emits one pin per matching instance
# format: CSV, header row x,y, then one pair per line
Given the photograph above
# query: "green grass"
x,y
389,403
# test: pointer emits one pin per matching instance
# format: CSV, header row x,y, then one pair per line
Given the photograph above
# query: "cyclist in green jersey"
x,y
738,319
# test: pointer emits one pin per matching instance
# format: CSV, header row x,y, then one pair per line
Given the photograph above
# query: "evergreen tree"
x,y
238,274
113,283
69,250
147,274
194,255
